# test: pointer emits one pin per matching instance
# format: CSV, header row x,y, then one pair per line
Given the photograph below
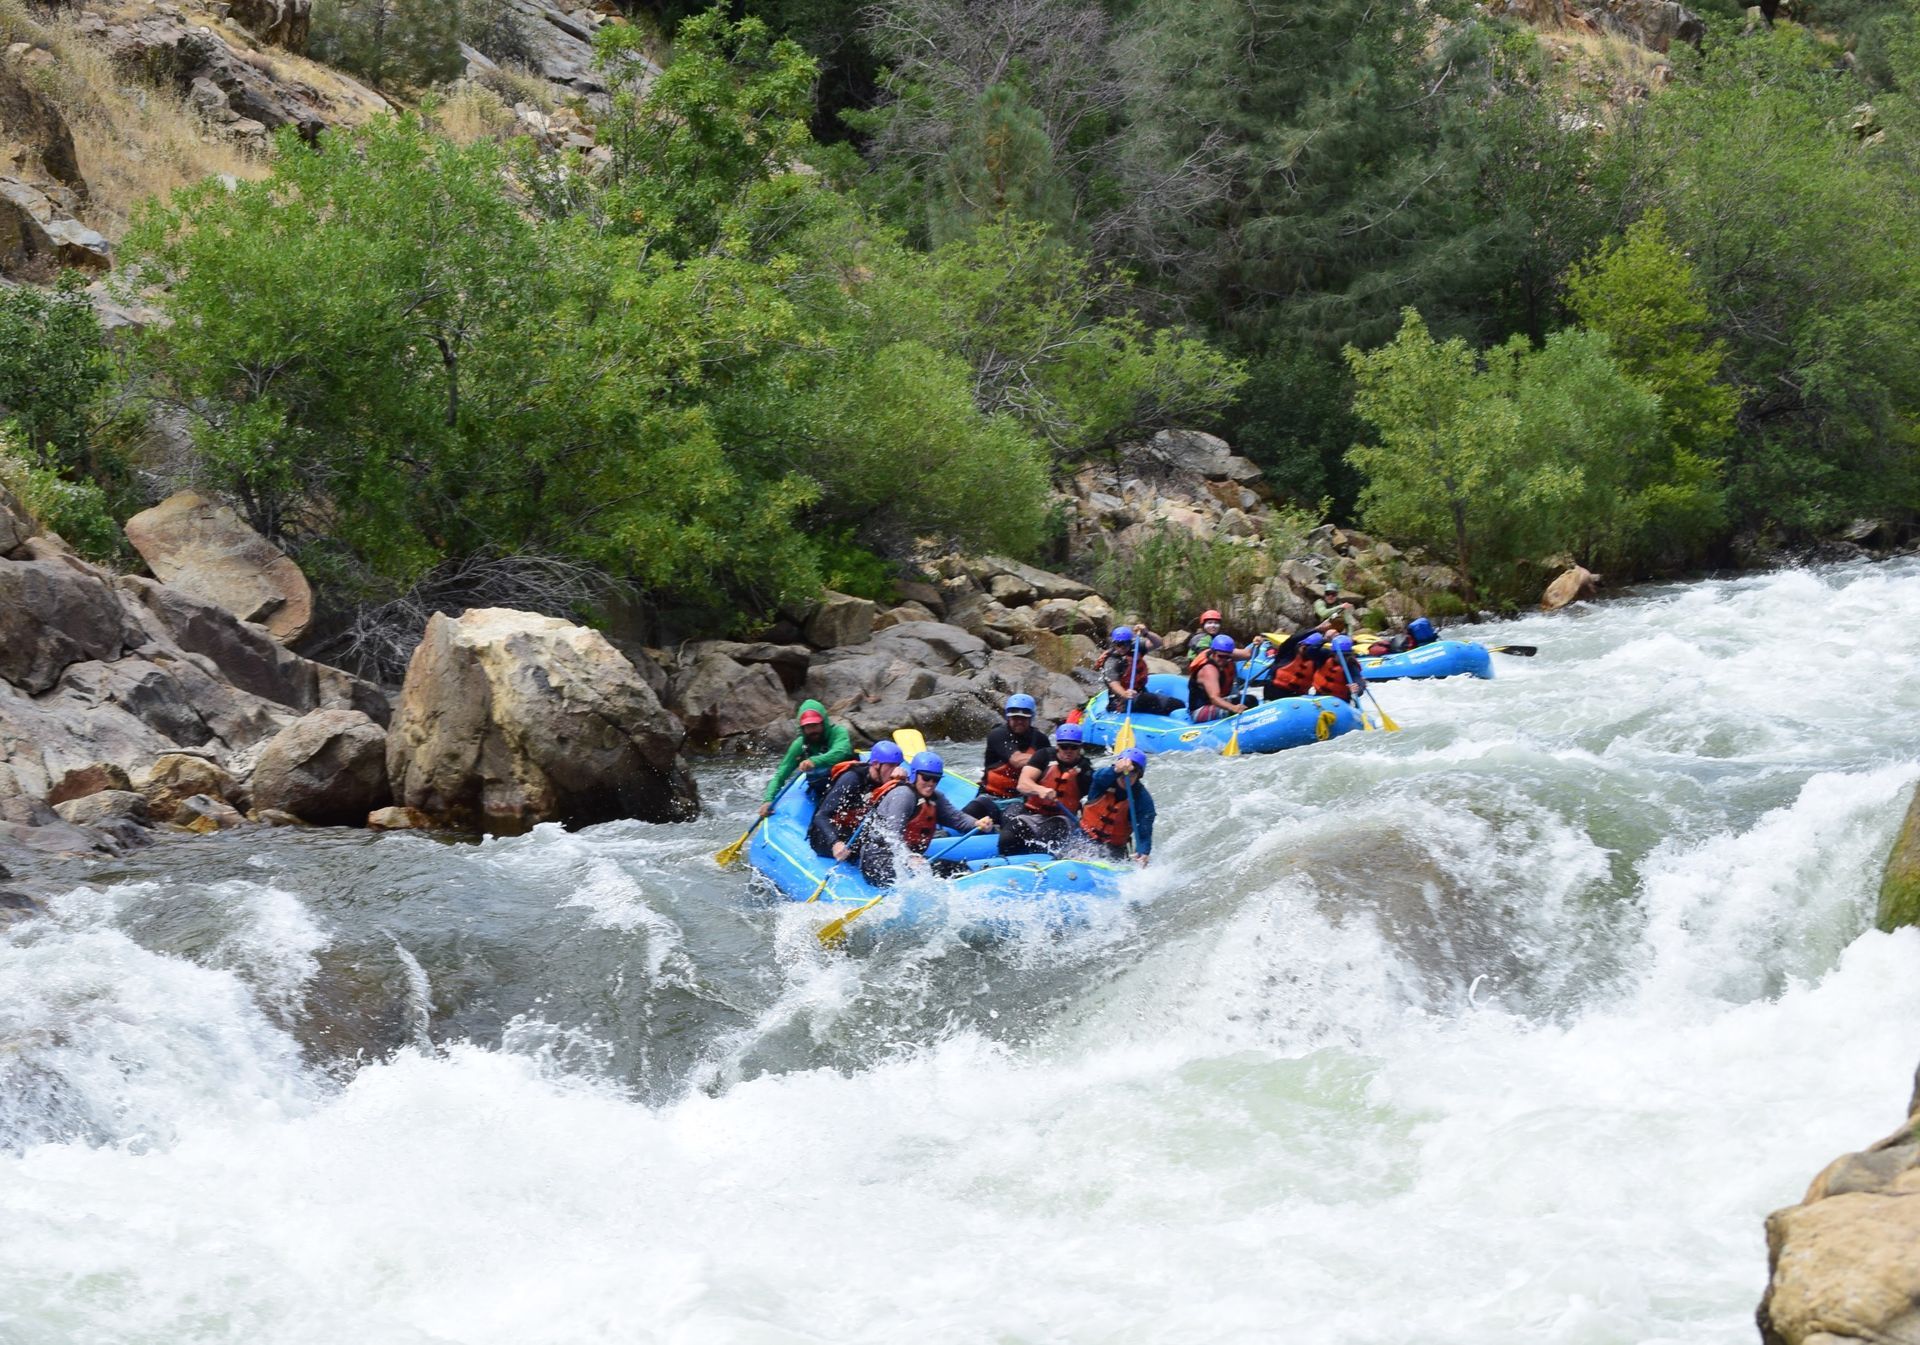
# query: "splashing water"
x,y
1509,1027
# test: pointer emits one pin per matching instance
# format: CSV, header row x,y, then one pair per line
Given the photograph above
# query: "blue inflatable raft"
x,y
1265,728
1442,658
1024,887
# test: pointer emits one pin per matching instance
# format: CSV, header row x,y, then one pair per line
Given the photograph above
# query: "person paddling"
x,y
1125,673
1295,660
906,814
1009,748
1051,788
1211,686
1339,671
820,746
1119,811
850,796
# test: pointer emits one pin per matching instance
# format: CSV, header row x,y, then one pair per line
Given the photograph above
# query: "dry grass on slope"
x,y
132,140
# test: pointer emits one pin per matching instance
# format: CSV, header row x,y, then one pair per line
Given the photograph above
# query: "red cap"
x,y
812,717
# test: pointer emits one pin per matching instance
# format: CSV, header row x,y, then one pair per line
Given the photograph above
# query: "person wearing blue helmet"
x,y
1295,660
1010,746
906,815
1125,673
1212,686
849,795
1051,788
1119,812
1339,671
1419,631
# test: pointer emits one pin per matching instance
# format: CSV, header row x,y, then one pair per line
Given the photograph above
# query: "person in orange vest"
x,y
1212,687
1339,671
1009,748
1051,788
850,794
905,816
1295,660
1119,812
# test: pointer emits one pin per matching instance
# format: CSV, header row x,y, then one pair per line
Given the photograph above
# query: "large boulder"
x,y
38,238
168,783
1570,586
840,619
285,23
1900,887
203,549
242,653
35,134
1841,1264
328,768
718,698
53,615
508,719
1194,453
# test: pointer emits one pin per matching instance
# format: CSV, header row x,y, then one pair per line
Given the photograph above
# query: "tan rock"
x,y
203,813
82,781
1569,587
1843,1264
328,768
840,619
508,719
205,550
398,819
177,777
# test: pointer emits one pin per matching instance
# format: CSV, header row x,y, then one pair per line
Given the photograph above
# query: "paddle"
x,y
836,863
910,741
1517,650
834,932
1386,720
1124,738
731,855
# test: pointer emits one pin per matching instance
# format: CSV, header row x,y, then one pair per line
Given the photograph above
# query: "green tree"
x,y
1647,297
53,365
1001,165
390,43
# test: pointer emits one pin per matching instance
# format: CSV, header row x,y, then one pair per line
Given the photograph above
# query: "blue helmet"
x,y
887,753
1123,634
1342,643
1069,733
1223,644
1313,641
1421,630
1021,704
1137,757
926,763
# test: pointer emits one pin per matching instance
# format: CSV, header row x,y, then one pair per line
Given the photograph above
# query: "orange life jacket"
x,y
1109,818
1066,785
1296,675
854,809
1331,679
1003,781
922,822
1196,689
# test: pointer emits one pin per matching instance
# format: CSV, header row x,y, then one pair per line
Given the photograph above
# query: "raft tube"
x,y
1031,887
1270,727
1442,658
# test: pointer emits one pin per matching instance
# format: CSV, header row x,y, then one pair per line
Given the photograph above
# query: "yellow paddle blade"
x,y
731,855
1232,749
1385,722
821,888
910,741
834,932
1124,738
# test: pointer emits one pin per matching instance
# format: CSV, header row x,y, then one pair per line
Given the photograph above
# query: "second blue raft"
x,y
1271,727
1442,658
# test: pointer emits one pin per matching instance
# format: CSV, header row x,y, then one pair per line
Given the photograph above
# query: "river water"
x,y
1509,1027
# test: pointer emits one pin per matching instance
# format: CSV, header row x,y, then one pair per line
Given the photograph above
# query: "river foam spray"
x,y
1506,1028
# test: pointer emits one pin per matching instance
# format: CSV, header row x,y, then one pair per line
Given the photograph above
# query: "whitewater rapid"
x,y
1509,1027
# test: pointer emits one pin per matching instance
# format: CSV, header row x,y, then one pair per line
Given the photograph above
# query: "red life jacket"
x,y
922,822
1001,782
1296,675
1331,679
1064,782
1109,818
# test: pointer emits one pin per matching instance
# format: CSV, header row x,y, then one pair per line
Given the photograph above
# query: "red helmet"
x,y
1210,615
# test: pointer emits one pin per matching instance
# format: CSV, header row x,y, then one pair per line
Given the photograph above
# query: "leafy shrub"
x,y
1173,575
